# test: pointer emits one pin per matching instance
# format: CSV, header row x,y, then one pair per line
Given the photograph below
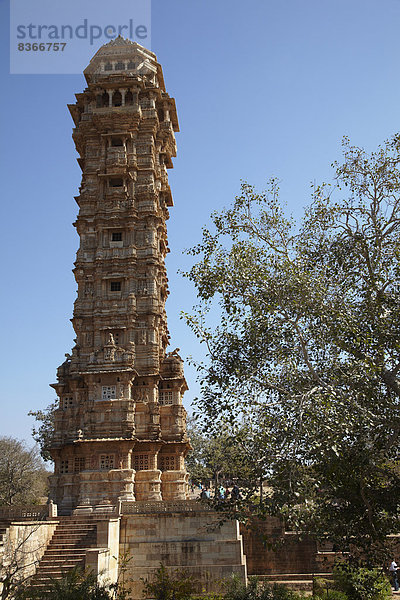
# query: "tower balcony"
x,y
147,206
145,162
113,253
104,306
149,113
128,109
116,160
167,127
148,251
161,172
121,358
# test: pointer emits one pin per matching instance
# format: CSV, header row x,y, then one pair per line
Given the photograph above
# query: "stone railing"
x,y
154,507
33,512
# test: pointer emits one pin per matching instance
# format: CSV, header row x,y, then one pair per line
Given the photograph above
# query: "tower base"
x,y
181,536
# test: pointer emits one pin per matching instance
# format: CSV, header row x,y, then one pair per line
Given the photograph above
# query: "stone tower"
x,y
120,429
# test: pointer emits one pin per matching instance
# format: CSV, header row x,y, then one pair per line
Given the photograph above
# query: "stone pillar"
x,y
122,484
173,485
148,485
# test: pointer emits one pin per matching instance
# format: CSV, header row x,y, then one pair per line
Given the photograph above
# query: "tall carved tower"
x,y
120,429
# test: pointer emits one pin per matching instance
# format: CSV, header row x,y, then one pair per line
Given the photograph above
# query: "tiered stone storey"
x,y
120,429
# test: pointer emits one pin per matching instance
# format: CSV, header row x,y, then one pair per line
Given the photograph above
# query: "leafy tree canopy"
x,y
306,349
23,476
43,432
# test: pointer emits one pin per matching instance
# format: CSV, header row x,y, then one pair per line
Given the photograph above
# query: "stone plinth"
x,y
180,535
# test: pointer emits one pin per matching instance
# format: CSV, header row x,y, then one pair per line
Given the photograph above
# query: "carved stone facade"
x,y
120,429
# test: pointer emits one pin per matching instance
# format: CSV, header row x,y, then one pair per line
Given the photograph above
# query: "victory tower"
x,y
120,429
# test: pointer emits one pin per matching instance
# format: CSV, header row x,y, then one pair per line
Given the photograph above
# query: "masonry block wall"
x,y
290,555
184,538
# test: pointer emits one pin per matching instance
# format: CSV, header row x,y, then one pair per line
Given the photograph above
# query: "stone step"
x,y
73,536
83,534
71,525
51,560
70,546
82,525
293,576
62,566
66,539
45,579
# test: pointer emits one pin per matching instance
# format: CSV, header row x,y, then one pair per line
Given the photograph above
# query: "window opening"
x,y
115,286
64,466
105,99
79,464
67,402
106,462
108,392
141,462
165,397
116,142
116,183
117,99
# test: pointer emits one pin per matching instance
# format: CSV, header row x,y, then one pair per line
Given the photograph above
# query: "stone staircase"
x,y
66,550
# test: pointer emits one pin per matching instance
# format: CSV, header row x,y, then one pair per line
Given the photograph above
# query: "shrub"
x,y
169,586
257,589
75,585
331,594
360,583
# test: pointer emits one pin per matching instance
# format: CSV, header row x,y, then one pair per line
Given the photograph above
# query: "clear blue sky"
x,y
263,87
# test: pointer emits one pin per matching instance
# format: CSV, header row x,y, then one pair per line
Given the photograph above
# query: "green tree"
x,y
306,345
23,476
213,458
43,432
234,455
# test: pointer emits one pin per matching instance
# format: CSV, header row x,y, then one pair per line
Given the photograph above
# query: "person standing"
x,y
393,573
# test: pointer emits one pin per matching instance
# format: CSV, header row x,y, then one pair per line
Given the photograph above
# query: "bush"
x,y
166,586
360,583
282,592
75,585
323,589
331,594
257,589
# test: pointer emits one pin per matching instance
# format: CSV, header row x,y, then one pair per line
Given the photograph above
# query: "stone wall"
x,y
25,544
188,540
290,555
